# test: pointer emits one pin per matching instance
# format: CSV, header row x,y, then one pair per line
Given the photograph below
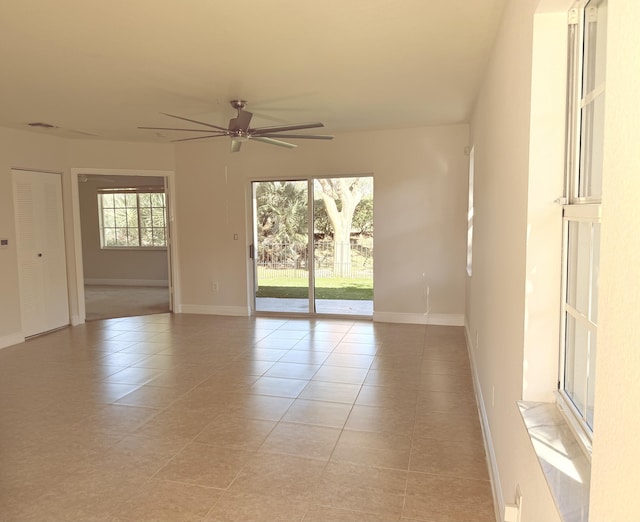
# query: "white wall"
x,y
114,266
420,184
517,137
616,454
497,292
28,151
37,151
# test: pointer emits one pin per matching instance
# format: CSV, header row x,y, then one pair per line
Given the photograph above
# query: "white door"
x,y
44,302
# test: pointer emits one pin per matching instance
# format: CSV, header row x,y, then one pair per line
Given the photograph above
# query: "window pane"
x,y
106,200
109,235
157,200
158,237
592,131
131,200
132,239
591,381
119,200
145,200
132,217
146,237
576,362
158,217
108,217
121,217
121,236
579,266
145,217
595,273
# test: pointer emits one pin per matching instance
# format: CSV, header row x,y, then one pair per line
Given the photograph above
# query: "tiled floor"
x,y
185,417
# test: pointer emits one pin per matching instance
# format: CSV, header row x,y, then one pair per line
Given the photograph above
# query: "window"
x,y
132,217
470,216
581,209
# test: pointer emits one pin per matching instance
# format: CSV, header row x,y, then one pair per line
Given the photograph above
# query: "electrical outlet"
x,y
519,502
513,512
214,286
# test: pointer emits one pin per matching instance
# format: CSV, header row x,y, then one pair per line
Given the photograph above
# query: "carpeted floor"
x,y
107,301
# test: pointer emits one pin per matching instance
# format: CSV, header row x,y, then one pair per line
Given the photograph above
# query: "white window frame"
x,y
470,211
581,204
138,226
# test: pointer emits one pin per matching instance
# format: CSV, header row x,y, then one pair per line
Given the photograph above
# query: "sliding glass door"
x,y
313,246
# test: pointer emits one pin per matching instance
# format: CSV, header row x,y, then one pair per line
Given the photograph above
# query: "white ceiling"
x,y
106,67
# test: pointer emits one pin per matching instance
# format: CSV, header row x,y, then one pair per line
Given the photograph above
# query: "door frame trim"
x,y
172,250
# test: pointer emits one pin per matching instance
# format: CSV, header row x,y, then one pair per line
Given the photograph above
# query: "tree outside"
x,y
343,238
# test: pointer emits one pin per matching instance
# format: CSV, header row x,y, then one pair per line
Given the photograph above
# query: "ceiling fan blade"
x,y
271,141
201,137
179,129
235,145
195,121
296,136
282,128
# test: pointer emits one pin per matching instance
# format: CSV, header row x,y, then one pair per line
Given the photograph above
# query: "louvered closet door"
x,y
44,302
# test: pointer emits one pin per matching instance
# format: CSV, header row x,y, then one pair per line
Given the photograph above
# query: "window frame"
x,y
138,191
580,205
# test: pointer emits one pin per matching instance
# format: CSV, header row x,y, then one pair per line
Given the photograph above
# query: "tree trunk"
x,y
347,191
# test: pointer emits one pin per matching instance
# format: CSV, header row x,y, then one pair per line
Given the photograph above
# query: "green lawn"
x,y
326,288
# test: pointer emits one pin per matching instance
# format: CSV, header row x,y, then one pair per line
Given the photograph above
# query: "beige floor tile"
x,y
280,476
447,426
448,499
464,459
319,413
278,386
340,374
262,407
388,397
311,344
331,391
134,375
324,514
350,360
245,507
444,402
292,370
304,357
164,417
205,465
302,440
150,397
383,450
177,425
362,488
160,500
452,383
368,349
373,418
231,431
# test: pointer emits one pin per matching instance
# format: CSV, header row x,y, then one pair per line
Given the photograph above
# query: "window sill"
x,y
565,466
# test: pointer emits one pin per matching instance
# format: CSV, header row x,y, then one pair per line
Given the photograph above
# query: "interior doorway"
x,y
124,236
313,246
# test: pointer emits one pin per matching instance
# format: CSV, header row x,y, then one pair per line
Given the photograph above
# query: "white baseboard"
x,y
496,488
127,282
76,320
213,310
431,319
10,340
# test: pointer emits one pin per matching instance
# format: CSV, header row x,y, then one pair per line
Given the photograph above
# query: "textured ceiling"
x,y
106,67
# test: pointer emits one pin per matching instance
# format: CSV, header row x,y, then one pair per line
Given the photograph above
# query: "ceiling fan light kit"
x,y
239,130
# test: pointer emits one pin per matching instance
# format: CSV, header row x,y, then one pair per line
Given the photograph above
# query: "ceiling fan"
x,y
239,130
